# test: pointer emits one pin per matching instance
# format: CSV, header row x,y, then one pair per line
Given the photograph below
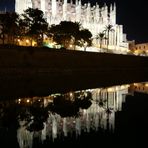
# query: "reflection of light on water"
x,y
54,127
78,126
139,87
25,138
93,118
43,136
65,127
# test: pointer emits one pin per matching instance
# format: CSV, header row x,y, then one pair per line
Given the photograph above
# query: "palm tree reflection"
x,y
103,103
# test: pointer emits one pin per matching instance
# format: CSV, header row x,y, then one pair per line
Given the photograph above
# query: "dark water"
x,y
108,117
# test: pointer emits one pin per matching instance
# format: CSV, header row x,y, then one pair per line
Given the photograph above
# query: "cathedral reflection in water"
x,y
99,115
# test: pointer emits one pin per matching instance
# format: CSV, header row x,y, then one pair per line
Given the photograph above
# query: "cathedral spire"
x,y
78,11
71,2
65,1
97,5
80,2
114,8
111,7
65,10
105,7
54,7
88,4
43,6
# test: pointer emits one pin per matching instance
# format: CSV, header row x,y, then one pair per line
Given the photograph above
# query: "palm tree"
x,y
108,29
101,36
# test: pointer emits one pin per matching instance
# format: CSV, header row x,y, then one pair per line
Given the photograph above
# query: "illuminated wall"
x,y
94,18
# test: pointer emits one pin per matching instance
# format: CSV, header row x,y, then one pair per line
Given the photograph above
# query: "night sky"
x,y
132,14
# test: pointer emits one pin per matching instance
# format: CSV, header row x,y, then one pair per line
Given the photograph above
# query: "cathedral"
x,y
94,18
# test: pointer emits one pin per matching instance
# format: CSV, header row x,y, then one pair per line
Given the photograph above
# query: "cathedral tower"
x,y
78,11
65,10
113,14
20,6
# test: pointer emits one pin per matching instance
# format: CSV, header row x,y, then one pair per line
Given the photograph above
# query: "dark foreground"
x,y
28,71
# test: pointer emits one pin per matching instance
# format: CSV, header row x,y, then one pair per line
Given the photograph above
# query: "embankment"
x,y
40,71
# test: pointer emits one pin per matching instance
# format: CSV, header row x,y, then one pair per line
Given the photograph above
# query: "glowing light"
x,y
34,43
70,46
110,89
135,84
71,94
123,86
27,41
28,100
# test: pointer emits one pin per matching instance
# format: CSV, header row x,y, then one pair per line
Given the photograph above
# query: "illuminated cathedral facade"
x,y
94,18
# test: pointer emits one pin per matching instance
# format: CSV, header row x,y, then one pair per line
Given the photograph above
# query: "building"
x,y
141,49
139,87
138,49
94,18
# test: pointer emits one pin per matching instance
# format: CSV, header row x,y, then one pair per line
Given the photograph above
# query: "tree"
x,y
108,29
35,24
85,38
22,29
69,33
101,36
9,24
60,35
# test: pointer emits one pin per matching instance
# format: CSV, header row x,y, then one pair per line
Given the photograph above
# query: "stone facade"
x,y
94,18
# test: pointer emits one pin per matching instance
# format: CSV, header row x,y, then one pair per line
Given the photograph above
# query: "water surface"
x,y
108,116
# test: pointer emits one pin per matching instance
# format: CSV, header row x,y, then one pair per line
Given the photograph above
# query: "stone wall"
x,y
41,71
27,57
